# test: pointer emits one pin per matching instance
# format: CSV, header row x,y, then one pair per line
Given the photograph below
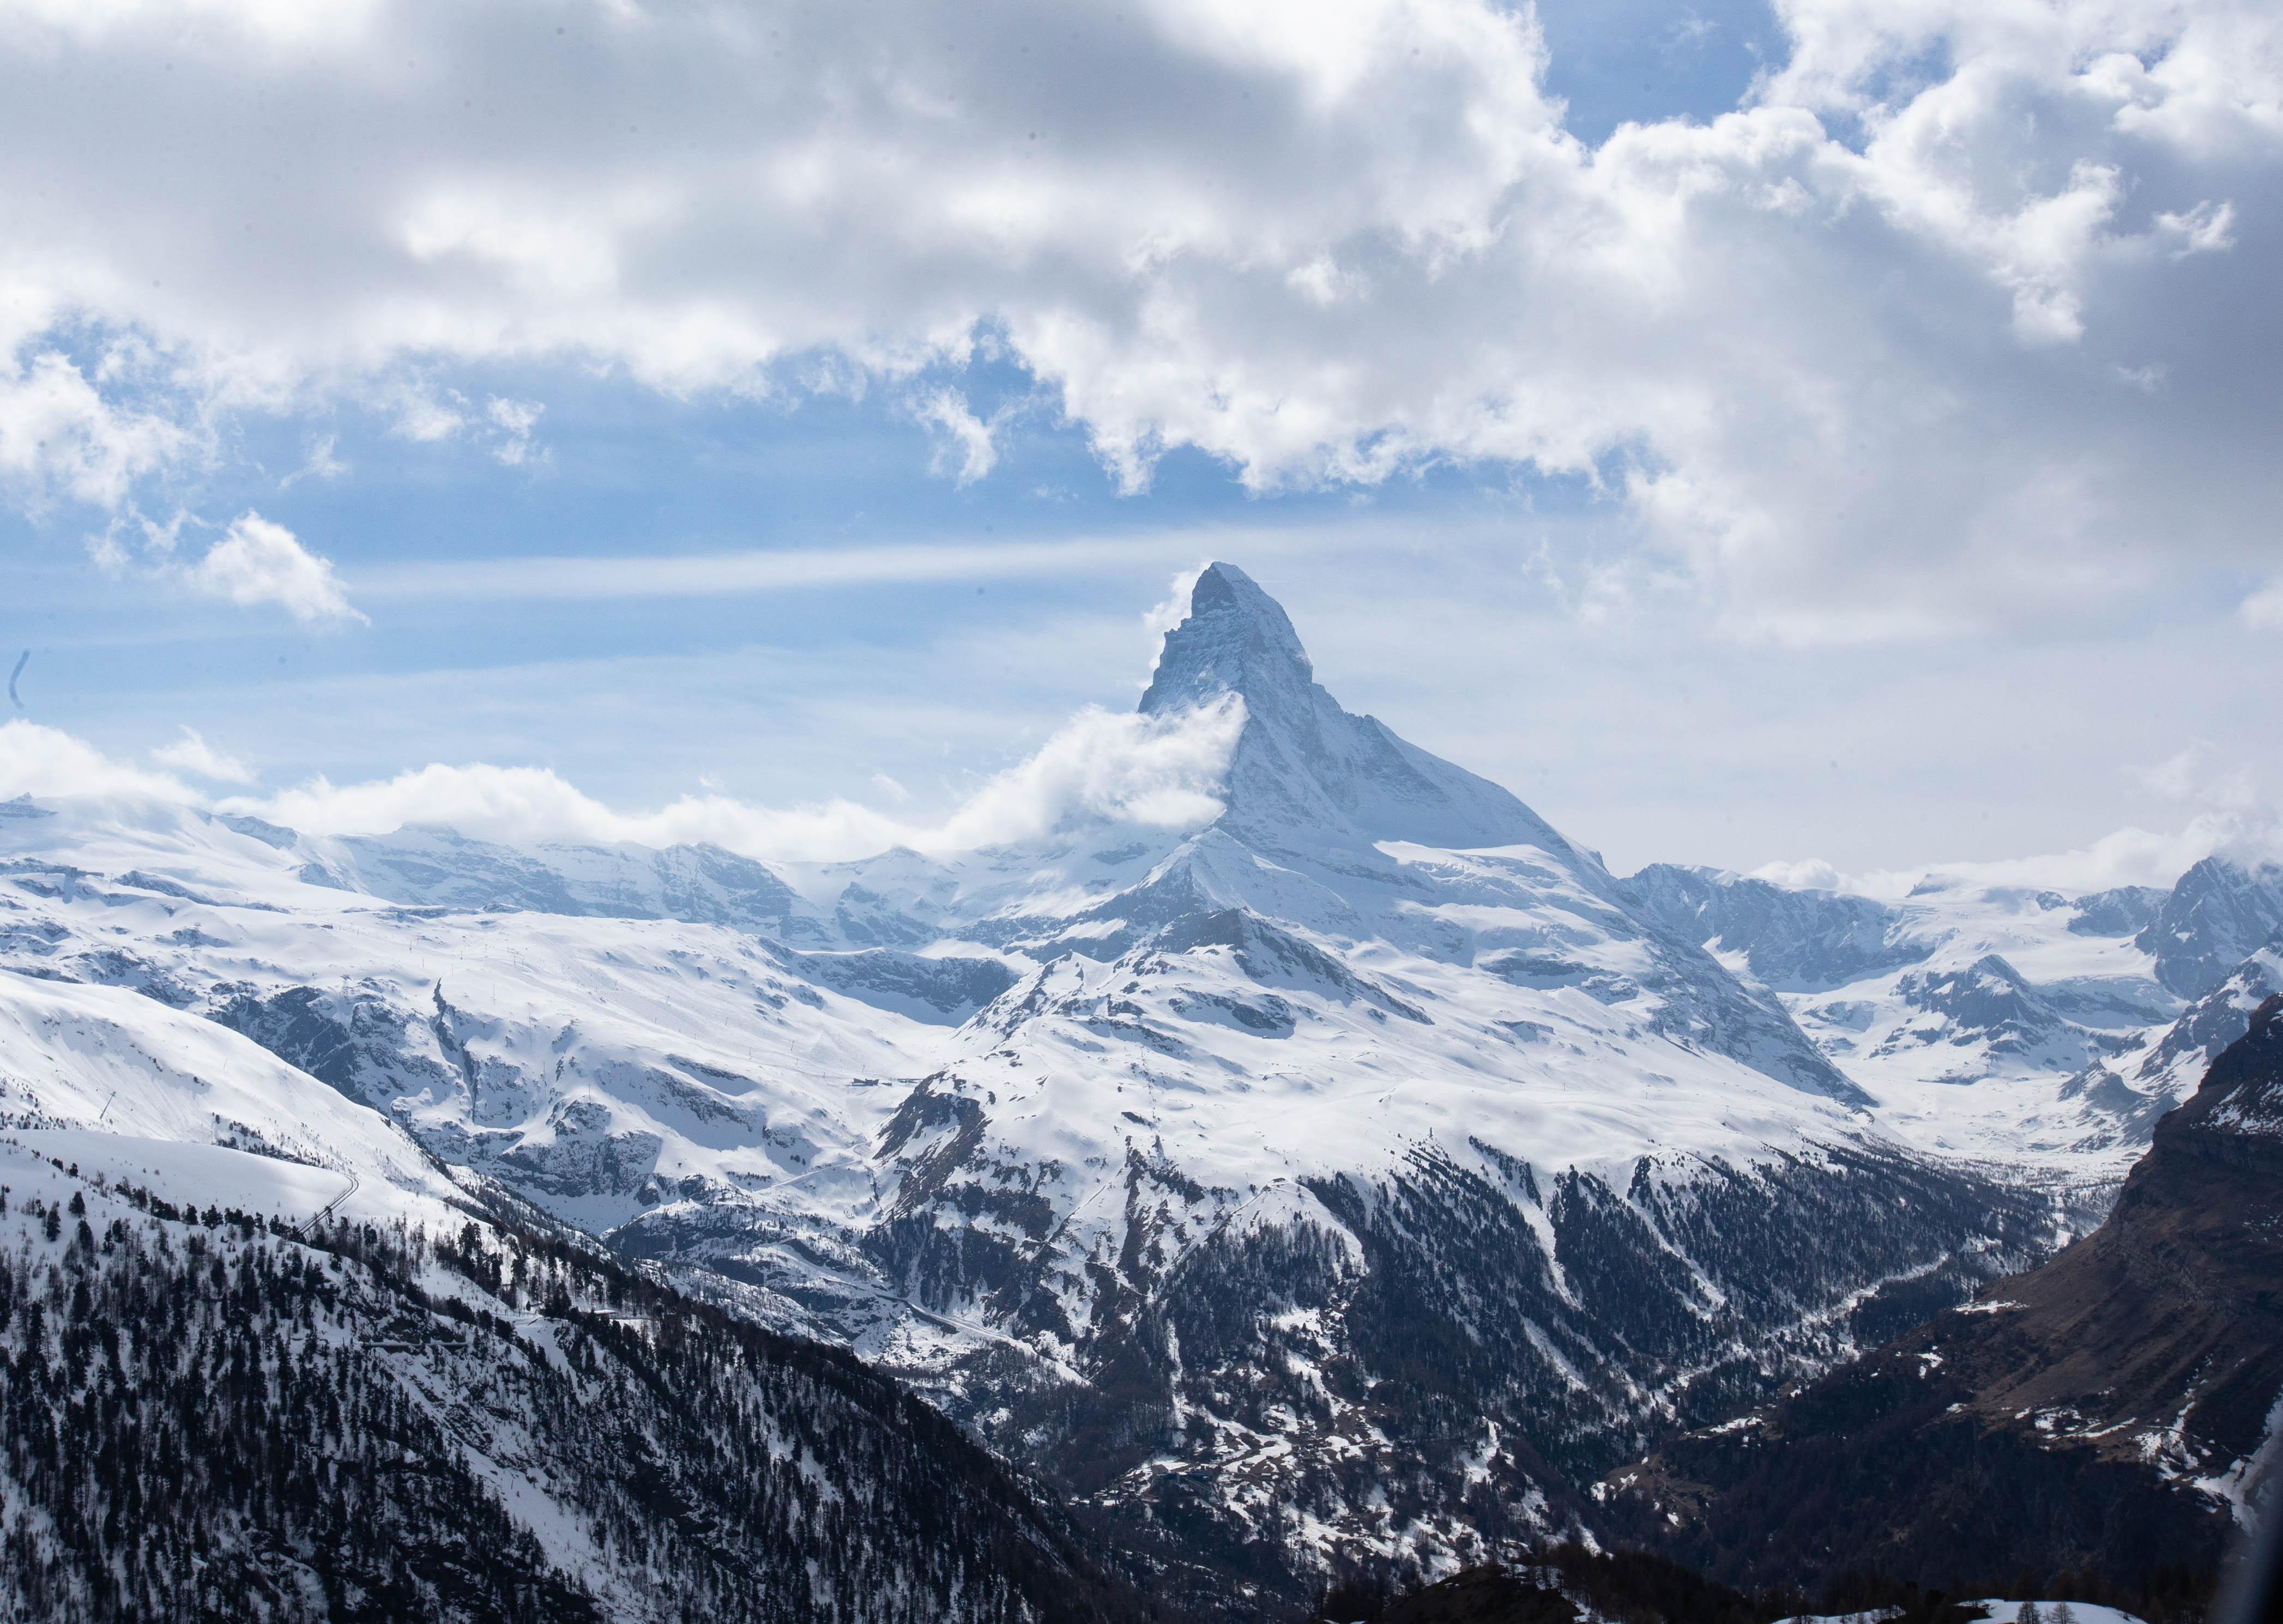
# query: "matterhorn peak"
x,y
1307,774
1236,640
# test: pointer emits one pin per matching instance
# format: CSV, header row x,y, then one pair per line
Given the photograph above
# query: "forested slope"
x,y
203,1417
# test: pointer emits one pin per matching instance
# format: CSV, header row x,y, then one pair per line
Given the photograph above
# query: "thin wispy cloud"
x,y
633,576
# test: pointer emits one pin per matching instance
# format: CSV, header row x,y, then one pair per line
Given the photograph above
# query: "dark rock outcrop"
x,y
2217,915
2100,1412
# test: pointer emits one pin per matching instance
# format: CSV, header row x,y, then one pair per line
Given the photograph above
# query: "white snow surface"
x,y
2085,1612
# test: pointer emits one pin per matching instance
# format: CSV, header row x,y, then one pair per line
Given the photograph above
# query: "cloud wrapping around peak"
x,y
1965,305
1159,772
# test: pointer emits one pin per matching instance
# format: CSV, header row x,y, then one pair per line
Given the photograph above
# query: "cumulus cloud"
x,y
193,755
41,762
258,561
1857,357
69,432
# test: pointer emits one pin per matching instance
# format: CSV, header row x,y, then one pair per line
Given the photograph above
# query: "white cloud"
x,y
64,435
258,561
2174,778
1169,611
782,570
193,755
2195,773
515,420
947,411
425,416
1153,772
1164,773
2263,608
1855,358
44,762
1809,874
322,463
2246,833
1159,772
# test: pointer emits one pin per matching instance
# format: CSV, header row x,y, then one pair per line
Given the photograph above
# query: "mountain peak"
x,y
1308,775
1236,639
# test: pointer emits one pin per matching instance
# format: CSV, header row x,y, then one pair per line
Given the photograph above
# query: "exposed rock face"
x,y
1307,776
2217,916
1792,941
2123,912
1988,1002
2105,1410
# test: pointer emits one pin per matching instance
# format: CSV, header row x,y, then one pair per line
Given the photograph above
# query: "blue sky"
x,y
2007,599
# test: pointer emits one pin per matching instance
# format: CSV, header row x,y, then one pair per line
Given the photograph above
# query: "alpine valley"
x,y
1365,1173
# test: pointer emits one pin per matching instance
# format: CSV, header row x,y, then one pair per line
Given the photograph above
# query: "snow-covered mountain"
x,y
2001,1020
1368,1166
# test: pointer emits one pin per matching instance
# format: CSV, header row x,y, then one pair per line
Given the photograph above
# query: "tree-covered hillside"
x,y
205,1417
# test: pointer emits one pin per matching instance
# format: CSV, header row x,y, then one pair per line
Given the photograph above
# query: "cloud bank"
x,y
1157,772
2124,857
1964,315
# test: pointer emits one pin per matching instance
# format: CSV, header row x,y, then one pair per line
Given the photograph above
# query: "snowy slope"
x,y
1998,1021
1216,1173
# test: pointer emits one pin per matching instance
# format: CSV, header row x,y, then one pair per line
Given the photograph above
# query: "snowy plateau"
x,y
1368,1169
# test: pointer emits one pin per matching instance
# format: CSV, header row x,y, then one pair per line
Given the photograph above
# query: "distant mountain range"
x,y
1367,1170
